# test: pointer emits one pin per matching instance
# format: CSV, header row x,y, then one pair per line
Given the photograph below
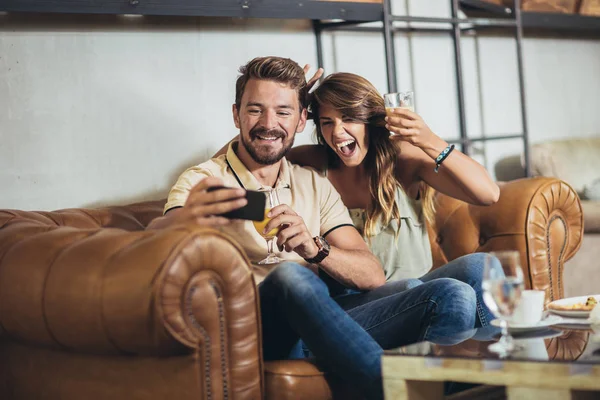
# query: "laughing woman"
x,y
387,180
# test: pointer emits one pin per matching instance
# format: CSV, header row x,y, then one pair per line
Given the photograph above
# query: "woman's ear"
x,y
236,116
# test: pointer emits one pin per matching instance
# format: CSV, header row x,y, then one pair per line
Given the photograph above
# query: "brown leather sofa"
x,y
92,306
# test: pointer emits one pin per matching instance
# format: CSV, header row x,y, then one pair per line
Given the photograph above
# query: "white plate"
x,y
569,301
512,327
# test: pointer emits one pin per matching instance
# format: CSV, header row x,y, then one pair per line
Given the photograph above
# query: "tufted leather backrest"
x,y
132,217
540,217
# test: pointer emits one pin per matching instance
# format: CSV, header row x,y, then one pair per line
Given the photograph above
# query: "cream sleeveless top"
x,y
409,254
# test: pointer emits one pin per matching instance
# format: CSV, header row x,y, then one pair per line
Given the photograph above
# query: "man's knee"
x,y
412,283
458,299
293,277
394,287
289,272
462,291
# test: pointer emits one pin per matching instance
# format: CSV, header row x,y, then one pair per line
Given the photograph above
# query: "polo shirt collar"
x,y
245,177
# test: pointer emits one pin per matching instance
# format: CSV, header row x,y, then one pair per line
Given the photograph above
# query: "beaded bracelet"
x,y
443,155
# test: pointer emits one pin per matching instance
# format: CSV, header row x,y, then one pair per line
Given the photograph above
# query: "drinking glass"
x,y
399,100
502,286
272,201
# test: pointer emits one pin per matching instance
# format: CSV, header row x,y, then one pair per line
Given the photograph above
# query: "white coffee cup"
x,y
530,308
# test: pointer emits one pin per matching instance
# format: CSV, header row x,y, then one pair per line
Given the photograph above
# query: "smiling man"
x,y
269,109
316,233
269,141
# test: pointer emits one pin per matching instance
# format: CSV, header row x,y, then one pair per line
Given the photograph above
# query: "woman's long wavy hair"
x,y
356,98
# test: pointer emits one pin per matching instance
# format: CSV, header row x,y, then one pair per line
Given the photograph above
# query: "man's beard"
x,y
266,159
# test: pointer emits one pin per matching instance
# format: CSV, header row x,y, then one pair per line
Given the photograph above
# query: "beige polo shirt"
x,y
309,194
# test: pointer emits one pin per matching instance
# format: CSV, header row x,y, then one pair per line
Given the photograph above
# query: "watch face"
x,y
323,252
324,243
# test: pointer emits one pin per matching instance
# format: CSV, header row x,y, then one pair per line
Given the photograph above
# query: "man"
x,y
316,232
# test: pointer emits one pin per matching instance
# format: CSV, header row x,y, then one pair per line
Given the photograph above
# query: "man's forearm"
x,y
159,223
357,269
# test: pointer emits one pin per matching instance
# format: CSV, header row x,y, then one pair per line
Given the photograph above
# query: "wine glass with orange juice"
x,y
272,201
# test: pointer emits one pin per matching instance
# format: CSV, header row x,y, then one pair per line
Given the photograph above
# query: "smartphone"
x,y
254,210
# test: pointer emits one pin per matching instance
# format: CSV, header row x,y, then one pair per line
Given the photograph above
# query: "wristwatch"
x,y
324,248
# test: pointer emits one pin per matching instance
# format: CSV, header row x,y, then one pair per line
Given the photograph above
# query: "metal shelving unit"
x,y
562,22
335,15
284,9
576,23
499,17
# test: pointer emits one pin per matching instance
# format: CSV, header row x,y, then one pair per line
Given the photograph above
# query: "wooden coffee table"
x,y
555,364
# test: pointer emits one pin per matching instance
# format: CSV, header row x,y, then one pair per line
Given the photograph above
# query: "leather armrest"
x,y
541,217
114,292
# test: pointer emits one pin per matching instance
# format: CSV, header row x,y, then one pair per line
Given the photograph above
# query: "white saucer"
x,y
513,327
546,333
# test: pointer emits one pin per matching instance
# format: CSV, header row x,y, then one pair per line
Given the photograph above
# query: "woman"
x,y
386,180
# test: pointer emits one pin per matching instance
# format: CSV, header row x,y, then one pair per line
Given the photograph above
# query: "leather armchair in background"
x,y
540,217
92,306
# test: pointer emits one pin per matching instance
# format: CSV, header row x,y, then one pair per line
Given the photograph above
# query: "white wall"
x,y
109,110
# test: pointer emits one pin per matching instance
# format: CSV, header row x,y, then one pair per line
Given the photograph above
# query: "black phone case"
x,y
253,211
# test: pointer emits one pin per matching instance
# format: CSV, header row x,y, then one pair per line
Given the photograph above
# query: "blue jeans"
x,y
394,316
467,269
295,304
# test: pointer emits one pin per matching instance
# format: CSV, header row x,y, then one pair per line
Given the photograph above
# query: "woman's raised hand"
x,y
408,126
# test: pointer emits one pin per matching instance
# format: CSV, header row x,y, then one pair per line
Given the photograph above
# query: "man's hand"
x,y
293,234
203,207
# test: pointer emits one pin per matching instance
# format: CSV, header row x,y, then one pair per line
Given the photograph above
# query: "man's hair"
x,y
276,69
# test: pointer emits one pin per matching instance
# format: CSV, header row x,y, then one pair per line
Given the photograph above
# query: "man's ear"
x,y
236,116
302,122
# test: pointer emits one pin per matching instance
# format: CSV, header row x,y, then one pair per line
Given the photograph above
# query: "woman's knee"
x,y
494,264
472,265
